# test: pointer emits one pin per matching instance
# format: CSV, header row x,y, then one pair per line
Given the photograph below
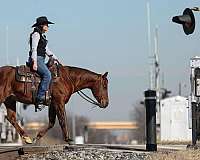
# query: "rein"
x,y
87,98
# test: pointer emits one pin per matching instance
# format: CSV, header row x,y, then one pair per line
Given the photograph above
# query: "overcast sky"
x,y
105,35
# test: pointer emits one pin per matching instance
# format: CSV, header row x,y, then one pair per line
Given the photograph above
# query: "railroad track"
x,y
31,149
13,153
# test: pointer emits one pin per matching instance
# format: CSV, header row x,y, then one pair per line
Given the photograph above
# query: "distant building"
x,y
174,124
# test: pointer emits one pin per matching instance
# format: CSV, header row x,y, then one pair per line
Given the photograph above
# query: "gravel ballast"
x,y
86,154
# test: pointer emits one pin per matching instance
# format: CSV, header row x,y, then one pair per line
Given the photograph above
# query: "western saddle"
x,y
31,79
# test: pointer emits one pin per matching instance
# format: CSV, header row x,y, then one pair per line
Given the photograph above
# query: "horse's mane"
x,y
73,69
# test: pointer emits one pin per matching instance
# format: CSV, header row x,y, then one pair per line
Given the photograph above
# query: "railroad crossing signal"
x,y
187,20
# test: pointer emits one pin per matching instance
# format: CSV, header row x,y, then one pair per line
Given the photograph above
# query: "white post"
x,y
17,61
157,76
149,45
157,65
7,59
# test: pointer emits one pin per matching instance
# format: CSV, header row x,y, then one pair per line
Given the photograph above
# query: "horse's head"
x,y
100,90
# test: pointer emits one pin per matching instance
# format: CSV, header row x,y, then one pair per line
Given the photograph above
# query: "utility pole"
x,y
157,76
7,59
157,70
149,45
156,61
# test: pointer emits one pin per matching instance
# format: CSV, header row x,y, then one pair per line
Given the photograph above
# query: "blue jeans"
x,y
45,74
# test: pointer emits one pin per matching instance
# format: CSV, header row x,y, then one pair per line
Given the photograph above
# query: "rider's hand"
x,y
58,62
34,66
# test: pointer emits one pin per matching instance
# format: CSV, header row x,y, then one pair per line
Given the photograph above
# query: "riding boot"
x,y
39,105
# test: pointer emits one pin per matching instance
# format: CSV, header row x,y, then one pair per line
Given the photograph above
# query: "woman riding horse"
x,y
37,54
70,81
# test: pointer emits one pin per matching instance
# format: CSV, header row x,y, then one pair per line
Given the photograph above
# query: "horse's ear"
x,y
105,75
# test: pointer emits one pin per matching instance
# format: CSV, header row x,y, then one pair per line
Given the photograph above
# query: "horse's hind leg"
x,y
11,117
52,119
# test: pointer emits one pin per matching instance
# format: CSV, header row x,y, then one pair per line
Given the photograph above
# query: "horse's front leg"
x,y
52,119
61,115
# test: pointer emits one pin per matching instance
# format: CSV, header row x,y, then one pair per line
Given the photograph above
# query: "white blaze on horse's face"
x,y
100,90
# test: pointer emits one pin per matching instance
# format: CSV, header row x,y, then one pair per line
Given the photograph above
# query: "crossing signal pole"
x,y
187,20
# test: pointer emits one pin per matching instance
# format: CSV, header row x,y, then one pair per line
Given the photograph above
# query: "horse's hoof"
x,y
27,139
69,141
34,140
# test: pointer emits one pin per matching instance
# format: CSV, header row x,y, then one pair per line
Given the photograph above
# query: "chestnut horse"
x,y
71,80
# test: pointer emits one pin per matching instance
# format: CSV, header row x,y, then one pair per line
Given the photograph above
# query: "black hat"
x,y
41,21
187,20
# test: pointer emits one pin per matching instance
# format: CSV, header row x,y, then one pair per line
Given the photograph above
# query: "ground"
x,y
178,155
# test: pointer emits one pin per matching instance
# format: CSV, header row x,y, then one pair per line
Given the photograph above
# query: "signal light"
x,y
187,20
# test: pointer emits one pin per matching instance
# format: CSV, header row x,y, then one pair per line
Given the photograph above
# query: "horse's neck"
x,y
82,78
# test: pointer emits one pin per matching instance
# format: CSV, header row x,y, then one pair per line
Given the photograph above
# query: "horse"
x,y
71,80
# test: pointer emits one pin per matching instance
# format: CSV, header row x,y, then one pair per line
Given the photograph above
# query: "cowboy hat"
x,y
41,21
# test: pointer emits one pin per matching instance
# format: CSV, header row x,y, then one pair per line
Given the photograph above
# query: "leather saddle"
x,y
26,74
31,79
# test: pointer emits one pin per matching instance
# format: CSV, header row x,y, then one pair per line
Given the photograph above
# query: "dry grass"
x,y
174,142
178,155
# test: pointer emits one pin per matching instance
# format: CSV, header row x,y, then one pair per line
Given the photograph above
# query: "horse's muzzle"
x,y
104,104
